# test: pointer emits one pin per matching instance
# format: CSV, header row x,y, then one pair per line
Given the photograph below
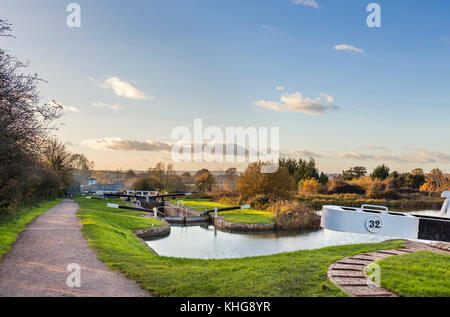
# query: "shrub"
x,y
364,182
294,215
309,186
338,186
262,202
253,182
227,198
380,190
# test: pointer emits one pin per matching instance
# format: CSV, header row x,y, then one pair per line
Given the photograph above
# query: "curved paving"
x,y
38,260
349,274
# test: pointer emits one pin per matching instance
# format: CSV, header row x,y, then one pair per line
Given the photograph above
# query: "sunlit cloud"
x,y
421,157
124,89
107,106
71,109
297,103
302,153
349,49
119,144
372,147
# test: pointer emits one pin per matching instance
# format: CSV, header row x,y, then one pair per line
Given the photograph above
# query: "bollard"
x,y
155,211
215,211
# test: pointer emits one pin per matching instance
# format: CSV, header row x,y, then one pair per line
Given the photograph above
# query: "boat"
x,y
379,220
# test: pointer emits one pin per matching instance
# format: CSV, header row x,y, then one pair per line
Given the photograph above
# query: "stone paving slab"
x,y
441,245
349,274
353,262
366,290
346,267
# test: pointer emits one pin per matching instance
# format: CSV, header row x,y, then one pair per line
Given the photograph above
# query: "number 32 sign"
x,y
374,224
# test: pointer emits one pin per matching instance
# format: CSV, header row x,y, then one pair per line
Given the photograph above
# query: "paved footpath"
x,y
38,260
349,274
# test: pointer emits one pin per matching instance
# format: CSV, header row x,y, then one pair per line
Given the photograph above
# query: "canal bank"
x,y
300,273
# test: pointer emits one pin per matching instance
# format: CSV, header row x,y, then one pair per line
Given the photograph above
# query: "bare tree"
x,y
25,123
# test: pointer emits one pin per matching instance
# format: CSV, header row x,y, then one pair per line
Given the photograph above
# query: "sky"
x,y
339,91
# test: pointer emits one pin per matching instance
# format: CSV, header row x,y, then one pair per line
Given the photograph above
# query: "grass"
x,y
302,273
13,224
420,274
241,215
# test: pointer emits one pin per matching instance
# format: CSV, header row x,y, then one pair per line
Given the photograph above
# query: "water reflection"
x,y
206,242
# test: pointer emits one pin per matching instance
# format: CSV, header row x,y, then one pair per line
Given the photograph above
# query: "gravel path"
x,y
38,261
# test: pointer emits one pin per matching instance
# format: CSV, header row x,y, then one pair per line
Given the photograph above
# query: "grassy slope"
x,y
243,215
13,224
302,273
421,274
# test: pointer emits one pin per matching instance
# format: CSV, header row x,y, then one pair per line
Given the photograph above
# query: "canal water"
x,y
206,242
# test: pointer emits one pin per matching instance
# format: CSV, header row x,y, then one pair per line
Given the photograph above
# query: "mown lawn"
x,y
420,274
302,273
241,215
12,224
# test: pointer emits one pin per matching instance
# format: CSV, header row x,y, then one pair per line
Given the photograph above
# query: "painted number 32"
x,y
374,224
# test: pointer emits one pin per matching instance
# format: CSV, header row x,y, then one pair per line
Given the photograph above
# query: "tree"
x,y
204,180
323,178
253,182
176,184
301,169
415,179
25,124
130,174
354,172
147,183
381,172
438,180
230,179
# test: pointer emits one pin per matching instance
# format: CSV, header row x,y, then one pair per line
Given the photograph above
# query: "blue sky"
x,y
221,60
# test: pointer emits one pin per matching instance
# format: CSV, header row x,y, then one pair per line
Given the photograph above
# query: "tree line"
x,y
34,164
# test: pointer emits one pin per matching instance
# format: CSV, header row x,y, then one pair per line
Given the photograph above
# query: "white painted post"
x,y
215,211
155,212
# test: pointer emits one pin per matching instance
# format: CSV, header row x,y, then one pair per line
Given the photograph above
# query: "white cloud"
x,y
421,157
309,3
349,48
303,153
269,27
119,144
297,103
279,88
446,40
427,157
373,147
71,109
124,89
108,106
328,98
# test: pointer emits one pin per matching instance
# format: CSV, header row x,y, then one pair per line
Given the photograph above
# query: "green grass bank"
x,y
301,273
420,274
12,224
